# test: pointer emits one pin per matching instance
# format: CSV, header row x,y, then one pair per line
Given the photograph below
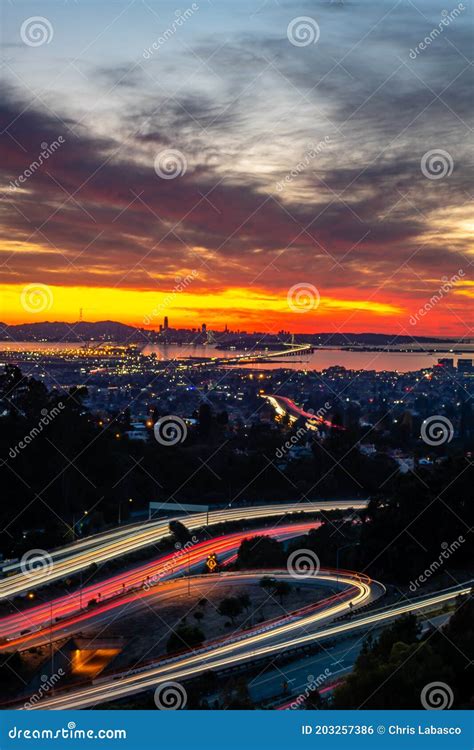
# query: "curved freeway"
x,y
350,591
67,611
270,636
218,655
98,549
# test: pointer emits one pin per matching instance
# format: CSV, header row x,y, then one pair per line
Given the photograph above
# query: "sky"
x,y
268,165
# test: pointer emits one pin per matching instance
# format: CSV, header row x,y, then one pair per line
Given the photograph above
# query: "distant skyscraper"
x,y
465,365
203,328
165,323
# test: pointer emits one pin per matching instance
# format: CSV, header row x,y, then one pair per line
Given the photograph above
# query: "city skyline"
x,y
224,147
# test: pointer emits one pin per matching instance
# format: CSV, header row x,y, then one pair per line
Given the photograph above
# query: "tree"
x,y
391,671
282,589
260,552
230,607
183,638
179,531
244,599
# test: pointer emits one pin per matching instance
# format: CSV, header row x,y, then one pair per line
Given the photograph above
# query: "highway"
x,y
329,666
121,588
251,647
118,542
242,645
284,405
125,592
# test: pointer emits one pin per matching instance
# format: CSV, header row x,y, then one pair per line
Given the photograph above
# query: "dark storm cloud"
x,y
352,218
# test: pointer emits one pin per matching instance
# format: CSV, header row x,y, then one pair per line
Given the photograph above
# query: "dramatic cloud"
x,y
294,163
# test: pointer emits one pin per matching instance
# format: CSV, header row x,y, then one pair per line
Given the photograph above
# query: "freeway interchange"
x,y
162,578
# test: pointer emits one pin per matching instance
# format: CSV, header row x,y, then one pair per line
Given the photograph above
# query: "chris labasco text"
x,y
429,729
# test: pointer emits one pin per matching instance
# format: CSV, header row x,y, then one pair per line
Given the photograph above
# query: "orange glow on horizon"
x,y
244,309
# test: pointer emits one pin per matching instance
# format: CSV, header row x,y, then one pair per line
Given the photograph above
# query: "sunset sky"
x,y
298,163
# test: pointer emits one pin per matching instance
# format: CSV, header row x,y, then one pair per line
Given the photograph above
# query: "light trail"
x,y
284,405
118,686
232,649
80,555
114,588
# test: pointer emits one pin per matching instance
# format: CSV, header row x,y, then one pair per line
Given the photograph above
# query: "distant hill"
x,y
109,330
106,330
